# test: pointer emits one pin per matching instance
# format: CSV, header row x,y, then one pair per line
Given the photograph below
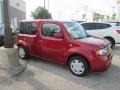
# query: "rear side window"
x,y
31,28
103,26
94,26
22,28
48,30
28,28
89,26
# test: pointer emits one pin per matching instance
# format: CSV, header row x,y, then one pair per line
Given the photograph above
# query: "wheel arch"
x,y
80,56
110,38
24,45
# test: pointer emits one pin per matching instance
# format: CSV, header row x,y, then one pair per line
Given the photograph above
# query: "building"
x,y
118,15
17,11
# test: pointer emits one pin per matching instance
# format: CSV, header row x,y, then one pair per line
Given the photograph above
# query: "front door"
x,y
53,48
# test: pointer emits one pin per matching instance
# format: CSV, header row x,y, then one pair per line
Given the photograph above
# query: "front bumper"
x,y
101,63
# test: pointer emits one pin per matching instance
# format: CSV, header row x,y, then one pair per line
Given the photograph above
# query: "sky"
x,y
69,9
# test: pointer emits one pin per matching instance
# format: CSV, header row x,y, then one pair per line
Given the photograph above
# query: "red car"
x,y
64,43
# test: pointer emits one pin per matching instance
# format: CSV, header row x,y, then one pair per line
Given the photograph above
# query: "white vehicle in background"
x,y
103,30
116,24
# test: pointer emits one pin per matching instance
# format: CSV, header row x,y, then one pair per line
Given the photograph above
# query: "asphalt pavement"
x,y
45,75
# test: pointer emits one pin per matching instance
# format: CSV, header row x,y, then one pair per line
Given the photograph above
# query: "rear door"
x,y
27,35
31,29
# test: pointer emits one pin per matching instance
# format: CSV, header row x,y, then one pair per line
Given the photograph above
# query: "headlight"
x,y
103,51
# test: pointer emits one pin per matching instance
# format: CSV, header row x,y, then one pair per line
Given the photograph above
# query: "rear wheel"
x,y
78,66
22,52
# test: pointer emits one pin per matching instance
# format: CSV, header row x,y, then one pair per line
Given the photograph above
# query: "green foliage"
x,y
113,16
108,17
96,16
38,13
102,17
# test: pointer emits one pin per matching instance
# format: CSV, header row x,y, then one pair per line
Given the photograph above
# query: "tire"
x,y
22,52
112,42
78,66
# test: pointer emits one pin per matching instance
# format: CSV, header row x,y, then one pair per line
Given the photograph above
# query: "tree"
x,y
113,16
102,17
118,2
96,16
41,13
108,17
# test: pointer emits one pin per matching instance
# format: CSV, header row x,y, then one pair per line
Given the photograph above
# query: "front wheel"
x,y
78,66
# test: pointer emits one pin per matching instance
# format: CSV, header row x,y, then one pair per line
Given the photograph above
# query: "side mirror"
x,y
58,35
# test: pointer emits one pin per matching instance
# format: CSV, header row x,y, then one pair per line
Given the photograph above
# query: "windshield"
x,y
75,30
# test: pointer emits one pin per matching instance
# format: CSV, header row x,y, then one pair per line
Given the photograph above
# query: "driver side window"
x,y
49,29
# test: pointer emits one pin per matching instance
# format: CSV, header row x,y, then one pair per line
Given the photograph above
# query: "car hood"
x,y
101,42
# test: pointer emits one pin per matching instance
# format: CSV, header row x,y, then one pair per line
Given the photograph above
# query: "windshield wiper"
x,y
79,38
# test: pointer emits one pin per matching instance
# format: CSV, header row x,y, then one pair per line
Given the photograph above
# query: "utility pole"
x,y
59,14
76,13
44,10
48,5
8,43
85,8
113,9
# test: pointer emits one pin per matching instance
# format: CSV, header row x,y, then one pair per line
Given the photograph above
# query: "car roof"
x,y
40,20
95,22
